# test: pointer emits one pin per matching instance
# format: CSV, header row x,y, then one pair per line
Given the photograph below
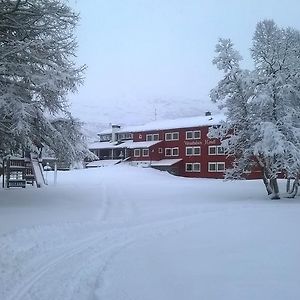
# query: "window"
x,y
212,150
172,151
175,151
160,150
197,150
172,136
124,136
175,136
196,167
168,136
105,137
220,166
128,135
193,135
189,135
121,136
189,151
212,167
192,167
140,136
216,150
136,153
220,150
152,137
168,152
216,166
145,152
189,167
197,134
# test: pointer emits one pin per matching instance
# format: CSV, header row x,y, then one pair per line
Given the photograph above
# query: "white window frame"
x,y
220,150
145,152
212,164
171,136
220,164
189,132
193,151
168,138
137,152
216,164
192,133
128,135
160,150
193,169
186,167
168,149
197,138
155,137
172,150
152,137
175,149
186,151
212,147
197,147
197,164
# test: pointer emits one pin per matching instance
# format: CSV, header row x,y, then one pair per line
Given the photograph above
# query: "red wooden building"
x,y
179,146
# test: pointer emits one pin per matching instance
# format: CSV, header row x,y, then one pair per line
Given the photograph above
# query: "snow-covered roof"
x,y
126,144
145,144
109,145
103,163
165,162
173,124
101,145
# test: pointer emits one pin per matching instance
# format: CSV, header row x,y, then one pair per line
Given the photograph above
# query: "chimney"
x,y
114,130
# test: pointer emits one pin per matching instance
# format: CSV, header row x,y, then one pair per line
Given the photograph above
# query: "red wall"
x,y
203,159
153,153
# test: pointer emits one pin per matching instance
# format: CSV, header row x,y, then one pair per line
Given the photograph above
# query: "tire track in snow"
x,y
106,242
99,246
20,291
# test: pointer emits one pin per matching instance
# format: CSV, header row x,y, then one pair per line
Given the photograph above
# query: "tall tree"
x,y
263,105
37,72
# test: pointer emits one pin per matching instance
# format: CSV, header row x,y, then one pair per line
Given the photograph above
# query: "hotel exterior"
x,y
179,146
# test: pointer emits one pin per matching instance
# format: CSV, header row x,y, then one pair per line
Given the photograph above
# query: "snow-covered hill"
x,y
99,116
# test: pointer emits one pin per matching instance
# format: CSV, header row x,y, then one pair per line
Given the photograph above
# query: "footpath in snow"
x,y
121,232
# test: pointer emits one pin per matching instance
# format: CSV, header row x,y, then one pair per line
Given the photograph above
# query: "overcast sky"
x,y
155,51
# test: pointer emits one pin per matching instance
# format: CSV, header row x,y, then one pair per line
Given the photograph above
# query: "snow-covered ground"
x,y
120,233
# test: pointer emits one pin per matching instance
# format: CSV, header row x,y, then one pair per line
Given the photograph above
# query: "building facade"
x,y
181,147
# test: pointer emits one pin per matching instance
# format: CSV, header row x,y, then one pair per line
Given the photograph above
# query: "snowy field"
x,y
125,233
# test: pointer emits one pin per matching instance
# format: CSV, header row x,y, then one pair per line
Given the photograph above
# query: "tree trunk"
x,y
275,188
288,185
293,192
266,183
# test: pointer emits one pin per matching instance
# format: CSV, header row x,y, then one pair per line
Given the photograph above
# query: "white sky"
x,y
157,51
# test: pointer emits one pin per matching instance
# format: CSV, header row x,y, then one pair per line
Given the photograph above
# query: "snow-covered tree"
x,y
262,105
37,72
